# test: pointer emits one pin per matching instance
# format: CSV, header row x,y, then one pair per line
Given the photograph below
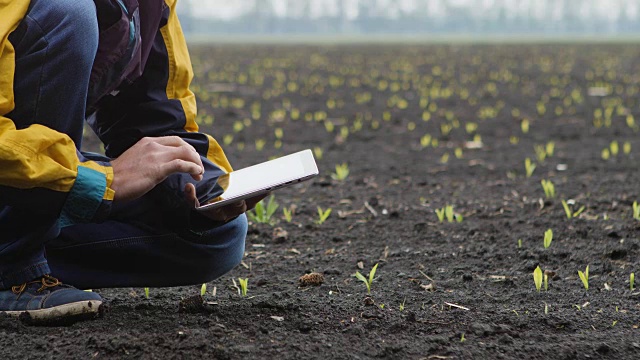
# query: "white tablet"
x,y
263,178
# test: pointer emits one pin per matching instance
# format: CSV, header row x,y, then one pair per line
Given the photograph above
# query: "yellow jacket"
x,y
39,165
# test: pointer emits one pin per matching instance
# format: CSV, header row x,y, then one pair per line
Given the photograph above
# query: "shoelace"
x,y
47,281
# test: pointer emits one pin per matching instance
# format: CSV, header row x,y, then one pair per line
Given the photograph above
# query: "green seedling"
x,y
244,285
524,126
342,171
549,148
260,143
549,189
541,153
548,237
636,211
329,126
462,339
402,304
537,278
367,281
203,289
584,276
288,214
519,243
317,151
344,132
632,280
448,214
323,215
381,306
546,309
546,282
425,141
146,292
614,148
569,212
529,167
631,122
264,214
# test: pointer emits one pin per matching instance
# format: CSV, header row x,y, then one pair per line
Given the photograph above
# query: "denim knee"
x,y
225,249
69,25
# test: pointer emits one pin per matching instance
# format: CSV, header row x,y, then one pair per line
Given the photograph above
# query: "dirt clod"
x,y
279,235
313,279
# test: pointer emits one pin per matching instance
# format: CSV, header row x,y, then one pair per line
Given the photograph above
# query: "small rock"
x,y
279,235
368,301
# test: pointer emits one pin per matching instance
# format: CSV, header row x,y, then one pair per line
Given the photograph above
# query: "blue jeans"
x,y
55,46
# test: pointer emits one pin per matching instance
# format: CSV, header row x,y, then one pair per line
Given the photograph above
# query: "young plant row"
x,y
550,193
539,278
264,214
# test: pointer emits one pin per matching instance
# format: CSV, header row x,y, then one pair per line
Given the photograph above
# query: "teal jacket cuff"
x,y
85,200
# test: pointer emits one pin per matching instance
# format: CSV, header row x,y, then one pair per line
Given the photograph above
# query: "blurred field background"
x,y
411,18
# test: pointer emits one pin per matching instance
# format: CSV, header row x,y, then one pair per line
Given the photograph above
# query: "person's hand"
x,y
151,160
223,213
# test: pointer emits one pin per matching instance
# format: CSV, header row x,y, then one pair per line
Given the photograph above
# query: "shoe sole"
x,y
62,314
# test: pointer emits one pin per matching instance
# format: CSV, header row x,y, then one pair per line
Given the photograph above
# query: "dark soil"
x,y
456,290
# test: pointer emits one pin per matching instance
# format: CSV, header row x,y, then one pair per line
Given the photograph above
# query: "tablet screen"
x,y
264,177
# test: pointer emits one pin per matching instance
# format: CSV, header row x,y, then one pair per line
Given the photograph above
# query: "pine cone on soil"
x,y
313,278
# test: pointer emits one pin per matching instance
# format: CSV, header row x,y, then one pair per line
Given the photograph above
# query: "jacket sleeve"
x,y
38,165
160,103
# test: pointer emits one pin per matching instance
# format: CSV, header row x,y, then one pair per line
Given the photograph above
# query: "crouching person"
x,y
72,220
